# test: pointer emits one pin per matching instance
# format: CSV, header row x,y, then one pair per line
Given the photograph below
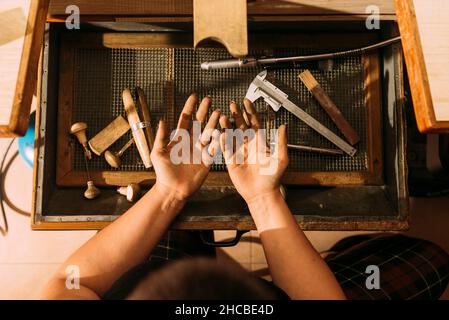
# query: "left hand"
x,y
184,178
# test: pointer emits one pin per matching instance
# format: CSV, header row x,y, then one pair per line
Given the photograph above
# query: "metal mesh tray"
x,y
169,75
102,74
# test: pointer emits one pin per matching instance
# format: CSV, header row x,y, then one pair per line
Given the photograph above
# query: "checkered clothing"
x,y
409,268
168,248
175,245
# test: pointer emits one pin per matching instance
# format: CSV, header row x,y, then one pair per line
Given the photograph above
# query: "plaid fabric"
x,y
409,268
180,244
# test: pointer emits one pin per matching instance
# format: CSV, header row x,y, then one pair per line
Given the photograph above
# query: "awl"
x,y
262,88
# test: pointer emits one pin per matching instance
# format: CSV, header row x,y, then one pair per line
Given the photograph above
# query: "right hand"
x,y
261,171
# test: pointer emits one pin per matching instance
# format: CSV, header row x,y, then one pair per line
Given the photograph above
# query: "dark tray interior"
x,y
344,208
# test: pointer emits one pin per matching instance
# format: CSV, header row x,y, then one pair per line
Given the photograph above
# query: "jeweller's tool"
x,y
262,88
142,104
113,158
252,62
329,106
137,128
110,134
79,130
315,150
91,191
132,192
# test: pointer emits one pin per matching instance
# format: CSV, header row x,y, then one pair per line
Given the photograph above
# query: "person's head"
x,y
202,278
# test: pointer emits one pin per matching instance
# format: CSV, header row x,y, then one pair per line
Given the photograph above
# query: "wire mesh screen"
x,y
168,76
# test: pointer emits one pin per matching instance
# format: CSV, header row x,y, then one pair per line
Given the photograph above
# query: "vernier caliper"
x,y
262,88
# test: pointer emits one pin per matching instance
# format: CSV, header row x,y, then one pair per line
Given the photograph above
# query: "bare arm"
x,y
130,239
296,267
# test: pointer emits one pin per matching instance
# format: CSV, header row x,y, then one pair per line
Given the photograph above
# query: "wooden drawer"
x,y
326,197
370,194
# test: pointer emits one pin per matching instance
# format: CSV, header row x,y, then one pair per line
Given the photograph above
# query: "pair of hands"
x,y
184,179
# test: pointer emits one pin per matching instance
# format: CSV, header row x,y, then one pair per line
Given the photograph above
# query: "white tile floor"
x,y
28,258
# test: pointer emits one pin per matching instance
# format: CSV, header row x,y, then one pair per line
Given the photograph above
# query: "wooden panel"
x,y
255,7
311,225
67,177
424,29
211,15
27,72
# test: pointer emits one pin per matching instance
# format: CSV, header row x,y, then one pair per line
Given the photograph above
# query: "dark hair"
x,y
202,278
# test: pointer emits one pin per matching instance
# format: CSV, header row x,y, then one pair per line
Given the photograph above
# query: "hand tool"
x,y
262,88
142,104
92,191
132,192
314,149
253,62
137,128
110,134
79,130
329,106
113,158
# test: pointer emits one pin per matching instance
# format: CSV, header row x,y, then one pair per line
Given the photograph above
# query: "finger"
x,y
203,109
225,123
161,136
226,150
215,143
210,151
211,124
251,114
282,142
238,116
245,117
185,119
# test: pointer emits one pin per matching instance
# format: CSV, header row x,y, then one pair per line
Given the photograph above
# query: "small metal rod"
x,y
125,147
314,149
87,168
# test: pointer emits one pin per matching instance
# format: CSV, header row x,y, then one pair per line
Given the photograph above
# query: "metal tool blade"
x,y
260,87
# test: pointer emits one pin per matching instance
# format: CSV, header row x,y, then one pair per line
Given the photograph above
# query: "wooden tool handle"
x,y
79,130
138,133
329,106
146,116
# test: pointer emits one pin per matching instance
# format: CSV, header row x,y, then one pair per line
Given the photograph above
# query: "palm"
x,y
184,177
260,171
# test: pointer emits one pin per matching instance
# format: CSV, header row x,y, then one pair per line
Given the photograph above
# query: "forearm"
x,y
126,242
296,267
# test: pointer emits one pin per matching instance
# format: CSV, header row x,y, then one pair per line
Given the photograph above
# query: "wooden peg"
x,y
92,191
79,130
138,133
132,192
113,158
